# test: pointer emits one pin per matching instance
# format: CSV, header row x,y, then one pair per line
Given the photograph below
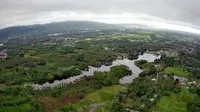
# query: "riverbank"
x,y
127,79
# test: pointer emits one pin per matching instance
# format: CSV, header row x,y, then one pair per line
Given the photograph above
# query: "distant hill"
x,y
56,27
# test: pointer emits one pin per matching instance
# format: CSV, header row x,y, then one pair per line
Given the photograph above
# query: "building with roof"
x,y
3,55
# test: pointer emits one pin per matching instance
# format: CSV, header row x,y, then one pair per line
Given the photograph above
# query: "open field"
x,y
102,95
174,102
177,71
138,36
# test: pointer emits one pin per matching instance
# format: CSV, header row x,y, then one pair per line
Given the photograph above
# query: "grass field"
x,y
102,95
174,102
171,103
104,108
189,39
105,94
21,108
139,36
177,71
2,86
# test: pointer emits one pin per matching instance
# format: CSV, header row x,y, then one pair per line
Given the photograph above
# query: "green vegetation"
x,y
149,69
177,71
66,94
143,93
47,58
174,102
102,95
137,36
21,97
185,39
2,86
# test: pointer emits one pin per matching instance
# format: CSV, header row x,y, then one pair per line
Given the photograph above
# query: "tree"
x,y
194,105
36,107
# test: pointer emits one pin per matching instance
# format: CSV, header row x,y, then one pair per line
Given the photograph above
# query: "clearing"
x,y
174,102
182,72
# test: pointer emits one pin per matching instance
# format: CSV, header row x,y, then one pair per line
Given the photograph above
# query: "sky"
x,y
183,15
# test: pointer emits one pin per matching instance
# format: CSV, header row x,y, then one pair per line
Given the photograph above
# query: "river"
x,y
127,79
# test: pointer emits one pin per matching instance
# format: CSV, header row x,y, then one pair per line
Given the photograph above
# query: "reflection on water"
x,y
129,63
148,57
136,70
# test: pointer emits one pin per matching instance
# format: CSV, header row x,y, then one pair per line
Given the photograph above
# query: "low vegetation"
x,y
175,102
47,58
177,71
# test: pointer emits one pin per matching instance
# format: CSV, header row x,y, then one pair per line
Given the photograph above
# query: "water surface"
x,y
127,79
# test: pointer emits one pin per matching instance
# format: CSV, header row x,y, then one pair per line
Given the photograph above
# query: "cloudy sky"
x,y
170,14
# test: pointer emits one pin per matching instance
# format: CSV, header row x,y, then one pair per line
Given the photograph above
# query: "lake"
x,y
127,79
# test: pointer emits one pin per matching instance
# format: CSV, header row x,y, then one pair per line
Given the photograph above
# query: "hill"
x,y
55,27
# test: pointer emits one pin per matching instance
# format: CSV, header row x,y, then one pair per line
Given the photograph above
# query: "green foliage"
x,y
177,102
177,71
137,96
36,106
170,61
171,103
116,106
148,68
69,109
87,84
140,63
137,36
194,105
42,59
113,76
119,71
104,94
19,99
165,84
66,50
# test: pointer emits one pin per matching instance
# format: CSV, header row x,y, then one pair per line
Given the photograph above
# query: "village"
x,y
3,53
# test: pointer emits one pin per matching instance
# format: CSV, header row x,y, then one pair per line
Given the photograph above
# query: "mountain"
x,y
56,27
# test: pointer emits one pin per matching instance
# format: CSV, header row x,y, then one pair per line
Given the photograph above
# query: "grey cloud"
x,y
14,11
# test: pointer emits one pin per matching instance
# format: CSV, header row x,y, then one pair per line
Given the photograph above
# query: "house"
x,y
151,99
153,79
3,55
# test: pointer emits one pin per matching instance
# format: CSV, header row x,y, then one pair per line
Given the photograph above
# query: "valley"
x,y
108,69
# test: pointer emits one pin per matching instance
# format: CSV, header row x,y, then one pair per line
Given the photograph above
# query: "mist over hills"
x,y
55,27
66,27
